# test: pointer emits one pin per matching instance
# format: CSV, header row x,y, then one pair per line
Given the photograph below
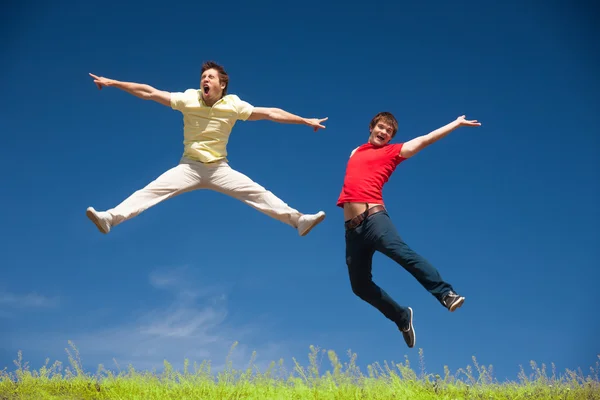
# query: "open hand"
x,y
316,123
464,122
101,81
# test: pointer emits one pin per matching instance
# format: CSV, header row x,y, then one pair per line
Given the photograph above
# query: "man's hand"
x,y
141,90
284,117
417,144
316,123
101,81
464,122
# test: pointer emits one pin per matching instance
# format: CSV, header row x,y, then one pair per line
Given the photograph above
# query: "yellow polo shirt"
x,y
206,129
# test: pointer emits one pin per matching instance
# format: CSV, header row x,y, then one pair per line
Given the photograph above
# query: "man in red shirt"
x,y
369,228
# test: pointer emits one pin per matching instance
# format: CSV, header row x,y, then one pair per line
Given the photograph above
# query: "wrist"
x,y
454,125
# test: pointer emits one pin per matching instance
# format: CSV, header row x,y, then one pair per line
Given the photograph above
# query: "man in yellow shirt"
x,y
209,115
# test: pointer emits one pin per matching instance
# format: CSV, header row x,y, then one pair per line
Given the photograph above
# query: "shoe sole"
x,y
90,214
317,222
413,328
457,304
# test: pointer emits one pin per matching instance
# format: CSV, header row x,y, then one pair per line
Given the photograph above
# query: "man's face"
x,y
211,86
381,134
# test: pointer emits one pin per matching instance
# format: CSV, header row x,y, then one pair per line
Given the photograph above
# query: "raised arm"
x,y
140,90
284,117
417,144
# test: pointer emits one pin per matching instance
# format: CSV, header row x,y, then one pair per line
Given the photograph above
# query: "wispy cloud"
x,y
29,300
193,324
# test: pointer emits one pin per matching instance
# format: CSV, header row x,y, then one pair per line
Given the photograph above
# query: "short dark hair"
x,y
386,117
223,77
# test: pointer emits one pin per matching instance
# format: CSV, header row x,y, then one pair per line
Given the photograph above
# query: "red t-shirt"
x,y
367,171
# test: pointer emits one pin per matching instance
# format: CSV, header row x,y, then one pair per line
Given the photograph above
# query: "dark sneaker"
x,y
409,333
452,301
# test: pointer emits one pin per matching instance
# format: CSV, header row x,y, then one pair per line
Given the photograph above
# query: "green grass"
x,y
338,381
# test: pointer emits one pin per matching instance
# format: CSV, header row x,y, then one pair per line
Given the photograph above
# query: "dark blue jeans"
x,y
377,233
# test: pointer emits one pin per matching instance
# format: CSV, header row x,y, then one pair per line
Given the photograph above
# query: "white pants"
x,y
192,175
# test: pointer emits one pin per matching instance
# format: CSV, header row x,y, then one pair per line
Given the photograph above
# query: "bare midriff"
x,y
351,210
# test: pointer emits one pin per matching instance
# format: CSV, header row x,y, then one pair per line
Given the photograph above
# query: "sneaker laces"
x,y
451,296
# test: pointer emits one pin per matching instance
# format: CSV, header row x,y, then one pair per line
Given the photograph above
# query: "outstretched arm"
x,y
279,115
140,90
417,144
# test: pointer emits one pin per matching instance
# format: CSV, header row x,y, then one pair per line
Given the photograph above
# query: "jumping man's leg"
x,y
359,258
173,182
391,244
224,179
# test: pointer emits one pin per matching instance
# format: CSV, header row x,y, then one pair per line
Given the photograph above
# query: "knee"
x,y
404,255
361,288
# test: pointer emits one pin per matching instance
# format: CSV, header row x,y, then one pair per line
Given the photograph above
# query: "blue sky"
x,y
507,212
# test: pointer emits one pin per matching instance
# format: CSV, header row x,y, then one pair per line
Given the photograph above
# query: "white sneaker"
x,y
309,221
101,219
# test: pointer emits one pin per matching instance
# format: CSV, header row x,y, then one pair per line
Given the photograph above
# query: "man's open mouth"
x,y
380,138
206,89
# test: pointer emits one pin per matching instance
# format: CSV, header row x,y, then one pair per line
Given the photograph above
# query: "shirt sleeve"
x,y
397,149
180,100
243,108
177,100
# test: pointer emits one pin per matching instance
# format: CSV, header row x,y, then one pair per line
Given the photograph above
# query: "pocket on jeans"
x,y
351,233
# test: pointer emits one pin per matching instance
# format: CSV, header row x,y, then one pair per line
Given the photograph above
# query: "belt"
x,y
356,221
